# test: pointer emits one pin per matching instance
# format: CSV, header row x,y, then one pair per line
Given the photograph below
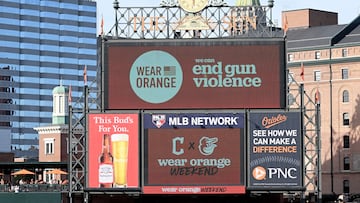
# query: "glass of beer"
x,y
119,145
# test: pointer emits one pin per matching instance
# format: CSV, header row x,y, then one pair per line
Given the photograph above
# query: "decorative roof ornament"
x,y
247,3
217,3
169,3
173,3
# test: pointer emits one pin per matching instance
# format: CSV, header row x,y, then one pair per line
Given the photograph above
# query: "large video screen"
x,y
194,153
193,74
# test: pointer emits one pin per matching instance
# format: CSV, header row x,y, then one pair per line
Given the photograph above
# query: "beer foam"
x,y
119,137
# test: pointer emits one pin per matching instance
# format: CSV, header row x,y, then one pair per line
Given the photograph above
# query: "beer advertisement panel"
x,y
275,151
175,74
193,153
113,151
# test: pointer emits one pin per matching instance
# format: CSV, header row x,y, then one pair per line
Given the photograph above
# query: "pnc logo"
x,y
259,173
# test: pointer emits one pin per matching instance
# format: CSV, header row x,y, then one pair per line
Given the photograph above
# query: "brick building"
x,y
325,58
53,138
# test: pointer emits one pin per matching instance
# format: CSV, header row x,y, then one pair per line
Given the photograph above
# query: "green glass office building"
x,y
43,43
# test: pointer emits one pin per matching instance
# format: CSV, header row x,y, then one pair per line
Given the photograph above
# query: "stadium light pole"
x,y
271,5
116,7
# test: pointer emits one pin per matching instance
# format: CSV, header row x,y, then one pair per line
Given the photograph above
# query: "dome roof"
x,y
247,3
60,90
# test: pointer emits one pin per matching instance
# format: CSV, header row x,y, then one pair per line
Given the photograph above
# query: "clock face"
x,y
193,6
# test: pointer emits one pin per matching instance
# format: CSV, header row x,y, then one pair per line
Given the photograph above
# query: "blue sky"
x,y
347,10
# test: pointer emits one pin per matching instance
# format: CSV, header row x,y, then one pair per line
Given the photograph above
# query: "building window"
x,y
346,186
49,145
290,78
74,147
346,120
291,99
49,148
345,96
61,104
346,163
317,75
346,141
49,178
344,73
317,54
290,57
344,52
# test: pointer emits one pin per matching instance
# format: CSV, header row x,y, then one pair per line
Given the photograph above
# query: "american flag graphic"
x,y
169,70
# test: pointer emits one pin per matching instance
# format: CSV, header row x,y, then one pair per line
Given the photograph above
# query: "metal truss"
x,y
163,23
171,22
298,98
78,140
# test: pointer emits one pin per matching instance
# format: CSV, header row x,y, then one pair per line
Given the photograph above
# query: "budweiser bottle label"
x,y
106,173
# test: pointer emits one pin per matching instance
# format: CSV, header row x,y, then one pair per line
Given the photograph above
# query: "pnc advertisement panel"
x,y
224,73
275,151
193,153
113,151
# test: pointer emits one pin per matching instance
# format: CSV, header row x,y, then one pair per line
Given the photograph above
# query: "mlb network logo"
x,y
158,120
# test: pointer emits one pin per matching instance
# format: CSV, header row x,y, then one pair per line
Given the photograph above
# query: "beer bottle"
x,y
106,171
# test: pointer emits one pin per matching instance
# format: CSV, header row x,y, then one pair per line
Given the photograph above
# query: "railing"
x,y
211,22
35,188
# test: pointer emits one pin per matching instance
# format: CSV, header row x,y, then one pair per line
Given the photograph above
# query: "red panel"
x,y
194,190
267,59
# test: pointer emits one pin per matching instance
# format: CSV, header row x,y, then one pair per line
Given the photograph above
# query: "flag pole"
x,y
85,75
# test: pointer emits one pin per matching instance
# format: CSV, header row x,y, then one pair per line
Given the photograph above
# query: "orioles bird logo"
x,y
207,145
